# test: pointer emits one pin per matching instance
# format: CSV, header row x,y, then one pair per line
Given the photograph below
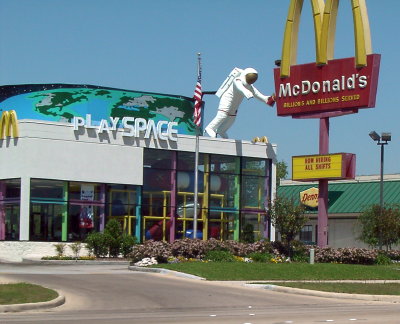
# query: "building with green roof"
x,y
346,200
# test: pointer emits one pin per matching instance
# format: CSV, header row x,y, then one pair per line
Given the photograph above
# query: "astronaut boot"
x,y
210,132
271,101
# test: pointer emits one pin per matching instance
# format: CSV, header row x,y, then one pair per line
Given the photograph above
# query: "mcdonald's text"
x,y
336,86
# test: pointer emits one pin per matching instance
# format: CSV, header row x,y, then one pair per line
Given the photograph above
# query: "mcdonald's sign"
x,y
8,124
328,85
263,139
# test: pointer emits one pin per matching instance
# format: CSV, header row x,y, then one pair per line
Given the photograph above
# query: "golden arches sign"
x,y
257,139
325,14
8,124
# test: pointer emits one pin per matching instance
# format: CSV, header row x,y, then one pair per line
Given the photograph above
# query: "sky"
x,y
152,46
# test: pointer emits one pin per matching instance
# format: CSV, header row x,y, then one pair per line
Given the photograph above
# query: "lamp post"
x,y
381,140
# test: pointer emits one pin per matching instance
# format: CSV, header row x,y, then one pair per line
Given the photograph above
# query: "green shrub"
x,y
260,257
97,244
219,256
76,248
300,252
300,257
383,259
113,234
127,243
60,249
113,227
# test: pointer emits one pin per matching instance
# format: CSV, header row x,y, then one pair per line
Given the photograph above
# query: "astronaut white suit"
x,y
237,86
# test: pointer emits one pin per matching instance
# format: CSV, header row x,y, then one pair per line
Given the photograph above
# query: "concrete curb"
x,y
74,262
60,300
165,271
316,293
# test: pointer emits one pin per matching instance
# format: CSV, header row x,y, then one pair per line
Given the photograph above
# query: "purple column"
x,y
323,186
2,212
173,197
102,209
267,197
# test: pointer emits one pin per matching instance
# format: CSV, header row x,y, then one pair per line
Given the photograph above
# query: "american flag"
x,y
198,94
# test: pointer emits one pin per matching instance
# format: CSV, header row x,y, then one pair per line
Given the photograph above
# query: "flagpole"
x,y
196,160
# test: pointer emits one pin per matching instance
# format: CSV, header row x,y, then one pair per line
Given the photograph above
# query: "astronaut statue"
x,y
232,91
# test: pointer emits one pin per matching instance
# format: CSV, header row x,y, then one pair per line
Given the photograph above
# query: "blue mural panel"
x,y
63,102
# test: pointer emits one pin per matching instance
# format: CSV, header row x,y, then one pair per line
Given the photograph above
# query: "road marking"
x,y
213,315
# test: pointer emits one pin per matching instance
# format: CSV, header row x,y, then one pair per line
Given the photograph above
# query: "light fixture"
x,y
381,140
374,135
387,137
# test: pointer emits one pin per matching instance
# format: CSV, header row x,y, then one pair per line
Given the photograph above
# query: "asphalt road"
x,y
113,294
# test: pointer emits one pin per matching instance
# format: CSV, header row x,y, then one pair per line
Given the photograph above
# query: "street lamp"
x,y
381,140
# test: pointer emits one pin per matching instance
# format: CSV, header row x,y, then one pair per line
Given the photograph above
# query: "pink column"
x,y
2,212
173,196
323,186
102,208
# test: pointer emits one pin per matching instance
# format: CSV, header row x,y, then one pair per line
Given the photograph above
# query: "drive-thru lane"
x,y
113,294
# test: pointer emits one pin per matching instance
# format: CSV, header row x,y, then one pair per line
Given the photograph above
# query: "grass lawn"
x,y
20,293
285,271
349,288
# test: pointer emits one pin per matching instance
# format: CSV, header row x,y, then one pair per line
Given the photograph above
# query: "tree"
x,y
376,227
288,218
281,172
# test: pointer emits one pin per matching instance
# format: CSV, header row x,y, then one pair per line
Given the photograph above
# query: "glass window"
x,y
253,192
121,205
224,193
156,192
84,191
186,161
157,180
83,219
252,227
156,229
46,221
160,159
306,234
10,189
254,166
221,225
224,164
47,189
10,193
11,216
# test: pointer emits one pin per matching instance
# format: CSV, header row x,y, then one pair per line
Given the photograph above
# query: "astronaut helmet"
x,y
250,75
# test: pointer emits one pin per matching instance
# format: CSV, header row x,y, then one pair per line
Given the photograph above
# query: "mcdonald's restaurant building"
x,y
75,156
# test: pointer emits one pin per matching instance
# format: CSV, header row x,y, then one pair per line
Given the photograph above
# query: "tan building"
x,y
346,200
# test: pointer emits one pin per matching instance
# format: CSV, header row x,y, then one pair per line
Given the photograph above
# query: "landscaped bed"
x,y
20,293
285,271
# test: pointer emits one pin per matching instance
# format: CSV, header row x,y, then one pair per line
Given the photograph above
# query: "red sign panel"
x,y
336,86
